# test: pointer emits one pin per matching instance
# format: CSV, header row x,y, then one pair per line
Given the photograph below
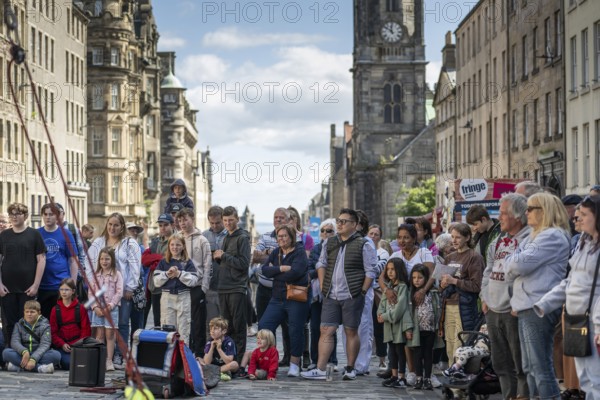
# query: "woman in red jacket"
x,y
69,322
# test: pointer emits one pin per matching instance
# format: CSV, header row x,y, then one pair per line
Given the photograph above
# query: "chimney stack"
x,y
449,53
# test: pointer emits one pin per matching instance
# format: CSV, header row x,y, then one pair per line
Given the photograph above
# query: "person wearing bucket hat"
x,y
150,259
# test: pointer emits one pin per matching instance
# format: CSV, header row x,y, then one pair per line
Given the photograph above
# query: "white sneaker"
x,y
435,382
109,366
10,367
315,374
46,369
251,331
311,366
411,378
294,371
349,376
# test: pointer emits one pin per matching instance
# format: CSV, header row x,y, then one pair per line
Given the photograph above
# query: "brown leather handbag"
x,y
296,293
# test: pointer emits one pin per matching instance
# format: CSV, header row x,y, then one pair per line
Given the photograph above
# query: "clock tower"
x,y
389,107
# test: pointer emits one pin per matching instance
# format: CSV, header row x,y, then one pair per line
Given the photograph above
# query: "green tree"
x,y
417,200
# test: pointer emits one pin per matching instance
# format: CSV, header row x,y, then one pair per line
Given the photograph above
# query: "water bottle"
x,y
329,373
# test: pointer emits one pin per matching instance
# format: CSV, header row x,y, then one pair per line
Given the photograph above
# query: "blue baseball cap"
x,y
165,218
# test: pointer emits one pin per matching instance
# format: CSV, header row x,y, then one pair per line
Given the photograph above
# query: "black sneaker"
x,y
285,362
427,384
419,383
387,374
459,375
390,381
241,374
400,384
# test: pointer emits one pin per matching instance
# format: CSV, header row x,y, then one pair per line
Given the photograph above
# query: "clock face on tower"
x,y
391,32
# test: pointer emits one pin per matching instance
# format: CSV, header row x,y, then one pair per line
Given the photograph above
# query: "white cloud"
x,y
233,38
279,113
167,42
432,73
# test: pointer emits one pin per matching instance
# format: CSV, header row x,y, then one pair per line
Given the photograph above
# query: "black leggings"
x,y
423,355
397,357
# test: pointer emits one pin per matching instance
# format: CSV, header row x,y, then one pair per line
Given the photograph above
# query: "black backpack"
x,y
59,320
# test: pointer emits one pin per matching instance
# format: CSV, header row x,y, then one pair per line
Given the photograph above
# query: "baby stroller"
x,y
480,381
167,365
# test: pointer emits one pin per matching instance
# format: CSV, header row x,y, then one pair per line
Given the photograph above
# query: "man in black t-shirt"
x,y
23,265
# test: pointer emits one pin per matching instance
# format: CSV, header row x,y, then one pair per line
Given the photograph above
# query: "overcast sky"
x,y
268,79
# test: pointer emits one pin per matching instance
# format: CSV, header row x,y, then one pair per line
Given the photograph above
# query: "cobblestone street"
x,y
33,386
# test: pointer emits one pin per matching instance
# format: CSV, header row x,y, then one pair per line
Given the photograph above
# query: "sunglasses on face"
x,y
341,221
326,230
531,208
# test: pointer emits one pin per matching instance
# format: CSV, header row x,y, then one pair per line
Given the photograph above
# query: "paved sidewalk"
x,y
33,386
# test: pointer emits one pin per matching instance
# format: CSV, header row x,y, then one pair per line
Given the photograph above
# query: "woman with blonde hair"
x,y
129,262
537,266
575,293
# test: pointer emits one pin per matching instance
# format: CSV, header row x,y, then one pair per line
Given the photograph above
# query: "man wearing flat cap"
x,y
570,202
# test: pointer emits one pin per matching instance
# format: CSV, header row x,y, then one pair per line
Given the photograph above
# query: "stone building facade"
x,y
123,109
54,40
446,128
510,112
179,157
389,107
582,54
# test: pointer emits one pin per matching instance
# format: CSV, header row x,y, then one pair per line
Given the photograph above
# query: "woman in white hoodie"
x,y
575,291
537,266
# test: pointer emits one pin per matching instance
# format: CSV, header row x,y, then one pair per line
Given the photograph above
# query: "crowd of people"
x,y
404,301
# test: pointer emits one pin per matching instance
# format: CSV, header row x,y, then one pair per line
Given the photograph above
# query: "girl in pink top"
x,y
107,276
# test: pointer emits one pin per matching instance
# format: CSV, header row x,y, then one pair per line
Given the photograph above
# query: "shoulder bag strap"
x,y
31,332
594,284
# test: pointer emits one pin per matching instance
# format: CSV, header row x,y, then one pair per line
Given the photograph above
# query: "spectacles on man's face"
x,y
16,214
341,221
531,208
326,230
575,219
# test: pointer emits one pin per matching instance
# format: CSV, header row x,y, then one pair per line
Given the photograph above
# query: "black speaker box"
x,y
88,366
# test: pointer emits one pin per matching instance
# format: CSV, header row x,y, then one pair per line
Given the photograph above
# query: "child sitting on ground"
x,y
69,322
220,350
463,354
264,360
30,343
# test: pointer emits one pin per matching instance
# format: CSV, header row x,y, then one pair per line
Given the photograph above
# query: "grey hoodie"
x,y
575,290
537,266
22,340
198,249
495,290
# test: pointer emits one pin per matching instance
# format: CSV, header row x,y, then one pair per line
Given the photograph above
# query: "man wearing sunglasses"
x,y
346,269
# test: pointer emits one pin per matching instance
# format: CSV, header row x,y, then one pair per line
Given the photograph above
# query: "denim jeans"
x,y
537,337
128,313
50,357
65,359
296,313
